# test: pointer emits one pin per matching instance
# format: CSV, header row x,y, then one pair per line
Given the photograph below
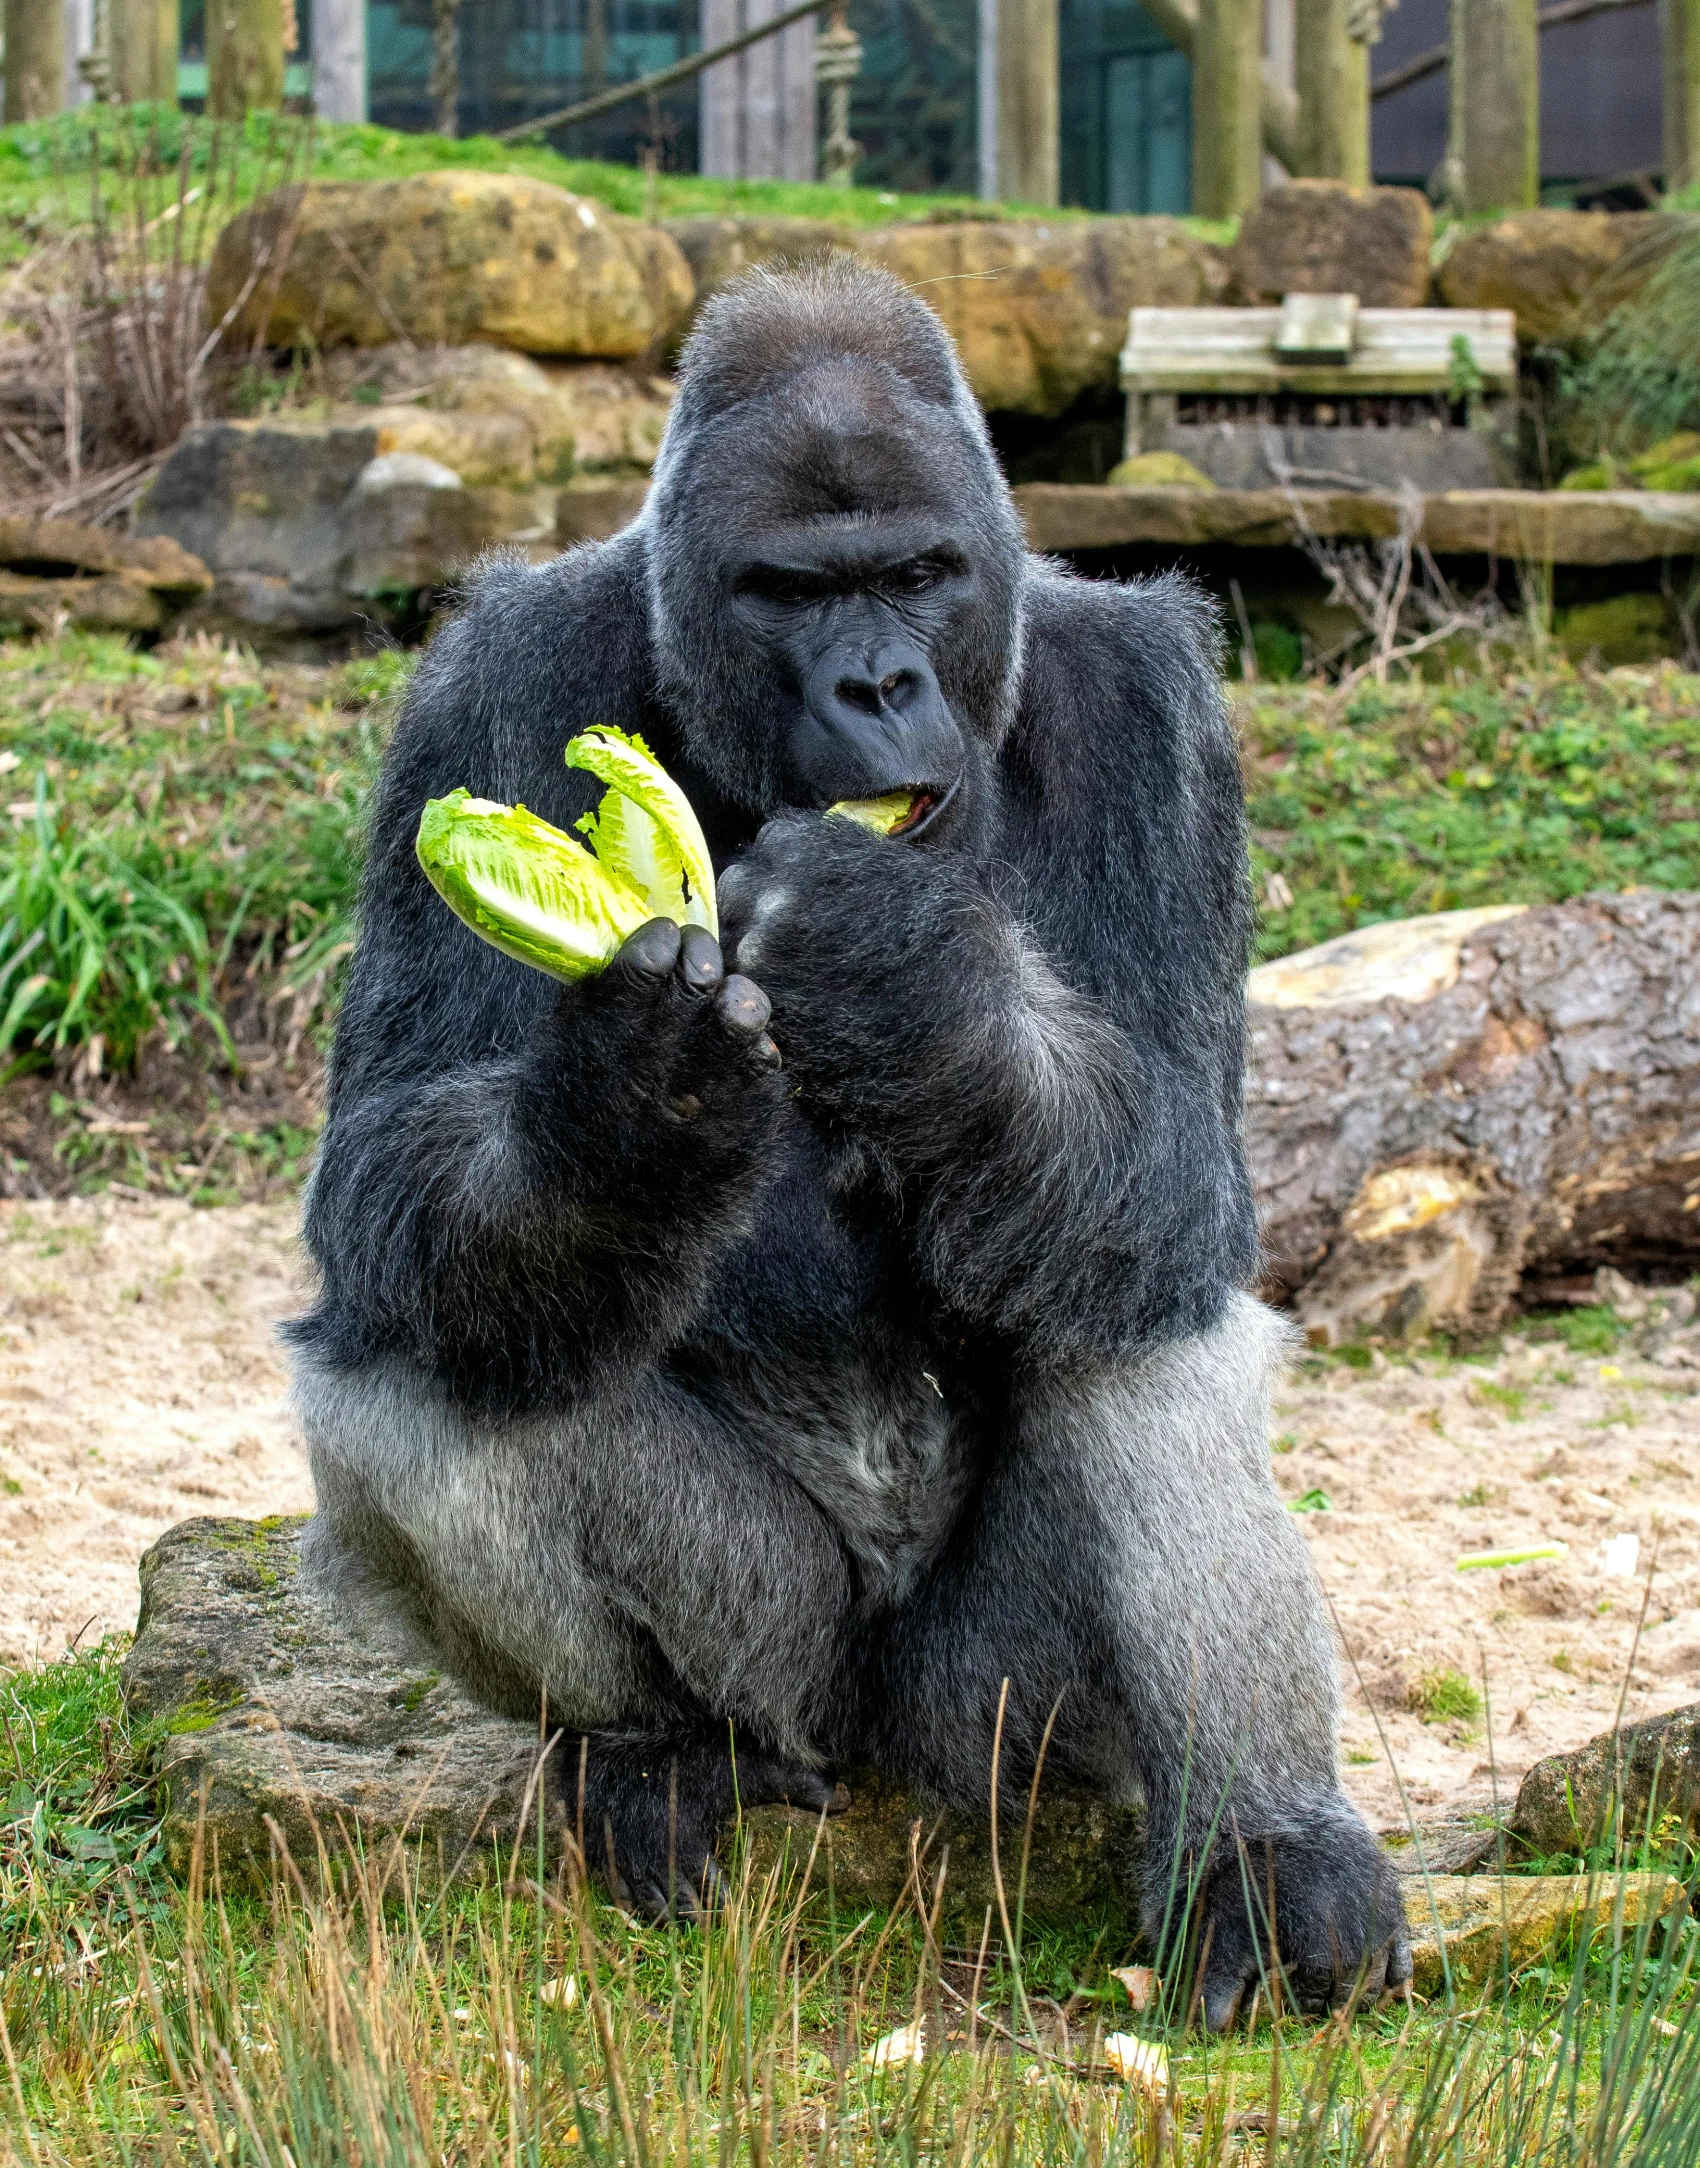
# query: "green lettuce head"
x,y
565,907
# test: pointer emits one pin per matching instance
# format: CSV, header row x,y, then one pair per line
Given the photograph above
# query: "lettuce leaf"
x,y
565,907
645,832
525,887
882,815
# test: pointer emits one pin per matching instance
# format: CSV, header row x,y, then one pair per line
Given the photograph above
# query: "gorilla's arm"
x,y
1045,1045
522,1183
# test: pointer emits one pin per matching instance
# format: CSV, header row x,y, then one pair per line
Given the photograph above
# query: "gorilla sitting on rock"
x,y
776,1345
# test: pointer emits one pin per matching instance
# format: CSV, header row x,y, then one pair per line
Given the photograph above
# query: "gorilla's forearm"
x,y
1075,1192
525,1222
1070,1188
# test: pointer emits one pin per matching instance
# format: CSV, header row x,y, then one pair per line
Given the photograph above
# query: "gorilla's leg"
x,y
675,1597
1131,1564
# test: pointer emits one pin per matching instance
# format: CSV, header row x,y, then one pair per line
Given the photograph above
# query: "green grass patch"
x,y
184,828
1401,800
45,169
529,2021
1444,1697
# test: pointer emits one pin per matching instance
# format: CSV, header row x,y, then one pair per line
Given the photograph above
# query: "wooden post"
x,y
1028,104
35,59
144,40
1496,89
1332,70
1227,134
339,59
244,57
1679,26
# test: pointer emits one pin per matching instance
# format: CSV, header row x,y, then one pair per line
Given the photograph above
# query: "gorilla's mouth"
x,y
929,802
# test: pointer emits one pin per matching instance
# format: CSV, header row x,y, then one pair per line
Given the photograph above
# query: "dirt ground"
x,y
141,1382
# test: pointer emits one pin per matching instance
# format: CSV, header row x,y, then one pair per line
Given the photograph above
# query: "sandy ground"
x,y
141,1382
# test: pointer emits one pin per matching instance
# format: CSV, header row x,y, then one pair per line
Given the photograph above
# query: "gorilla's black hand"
x,y
687,1038
870,949
653,1805
1340,1929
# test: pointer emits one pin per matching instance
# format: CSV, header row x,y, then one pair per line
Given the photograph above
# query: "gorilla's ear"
x,y
770,324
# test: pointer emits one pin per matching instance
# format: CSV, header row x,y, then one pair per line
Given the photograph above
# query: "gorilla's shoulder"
x,y
534,654
1127,667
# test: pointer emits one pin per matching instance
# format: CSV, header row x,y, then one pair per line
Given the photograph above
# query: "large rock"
x,y
443,258
1628,1784
1535,526
1488,1925
277,1710
281,1721
1038,310
61,571
306,523
497,417
1562,272
1437,1106
1326,237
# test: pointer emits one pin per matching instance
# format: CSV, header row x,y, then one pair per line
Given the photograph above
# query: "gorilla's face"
x,y
847,618
835,565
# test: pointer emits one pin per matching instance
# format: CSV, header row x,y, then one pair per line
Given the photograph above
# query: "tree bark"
x,y
1441,1111
1227,128
35,59
244,57
1333,85
1496,104
1679,25
145,38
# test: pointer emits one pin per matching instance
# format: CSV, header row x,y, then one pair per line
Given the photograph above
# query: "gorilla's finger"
x,y
768,1053
733,890
701,966
651,952
819,1794
743,1007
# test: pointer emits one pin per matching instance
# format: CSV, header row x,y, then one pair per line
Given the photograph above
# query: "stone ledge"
x,y
1600,527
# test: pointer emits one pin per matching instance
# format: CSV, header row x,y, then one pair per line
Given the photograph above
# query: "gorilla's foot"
x,y
1340,1930
650,1805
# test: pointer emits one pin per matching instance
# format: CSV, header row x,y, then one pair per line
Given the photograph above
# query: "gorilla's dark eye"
x,y
782,583
918,575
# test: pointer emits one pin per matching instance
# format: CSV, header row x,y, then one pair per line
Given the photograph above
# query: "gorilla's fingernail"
x,y
743,1004
769,1053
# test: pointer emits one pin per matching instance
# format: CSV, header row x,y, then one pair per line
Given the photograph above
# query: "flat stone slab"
x,y
288,1724
1562,527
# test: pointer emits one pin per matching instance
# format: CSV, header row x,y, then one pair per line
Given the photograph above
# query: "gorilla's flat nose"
x,y
874,719
883,683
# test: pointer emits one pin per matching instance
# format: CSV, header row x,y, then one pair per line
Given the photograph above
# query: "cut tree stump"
x,y
1441,1110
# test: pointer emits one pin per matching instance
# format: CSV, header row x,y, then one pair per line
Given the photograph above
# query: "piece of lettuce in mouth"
x,y
561,906
882,815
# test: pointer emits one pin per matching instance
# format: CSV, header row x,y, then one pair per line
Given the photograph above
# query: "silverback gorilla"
x,y
786,1356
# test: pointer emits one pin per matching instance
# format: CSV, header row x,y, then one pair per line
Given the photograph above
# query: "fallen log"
x,y
1440,1110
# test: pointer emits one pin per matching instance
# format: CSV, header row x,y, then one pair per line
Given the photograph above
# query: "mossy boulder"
x,y
1327,237
1561,272
283,1719
444,258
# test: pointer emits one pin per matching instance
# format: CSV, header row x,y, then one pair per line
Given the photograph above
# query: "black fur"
x,y
821,1399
